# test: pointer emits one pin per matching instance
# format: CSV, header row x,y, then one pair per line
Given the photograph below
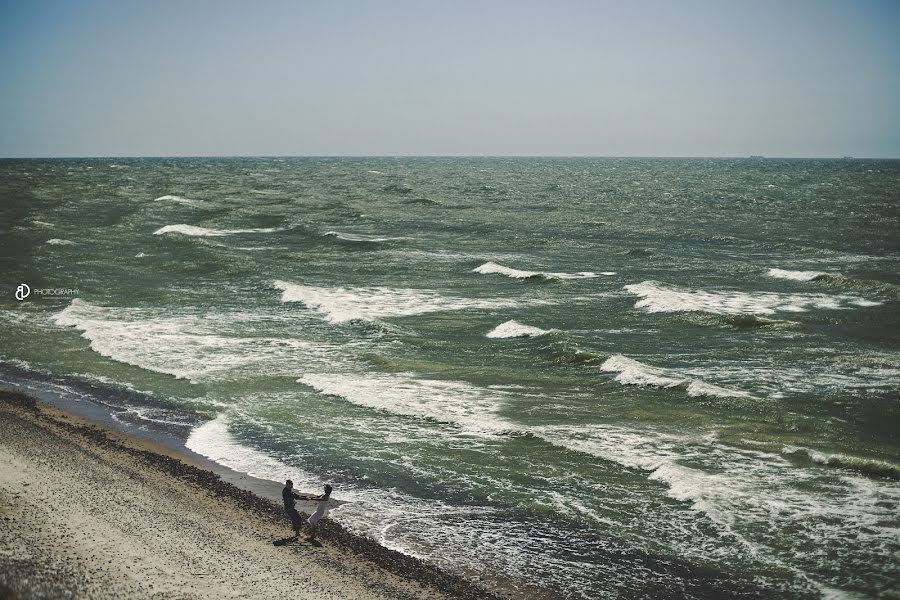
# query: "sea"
x,y
562,377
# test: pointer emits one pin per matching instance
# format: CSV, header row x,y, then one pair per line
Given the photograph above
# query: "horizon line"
x,y
398,156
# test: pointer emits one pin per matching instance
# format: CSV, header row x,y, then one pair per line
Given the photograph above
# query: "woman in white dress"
x,y
323,503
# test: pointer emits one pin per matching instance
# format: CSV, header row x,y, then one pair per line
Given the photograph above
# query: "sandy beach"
x,y
88,513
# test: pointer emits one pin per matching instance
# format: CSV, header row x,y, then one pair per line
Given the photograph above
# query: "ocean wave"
x,y
341,305
424,201
178,199
863,285
514,329
60,242
866,466
192,347
632,372
450,402
356,237
796,275
838,280
489,268
214,441
741,490
564,351
195,231
659,298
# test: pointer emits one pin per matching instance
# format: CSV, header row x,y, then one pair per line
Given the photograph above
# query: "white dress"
x,y
322,507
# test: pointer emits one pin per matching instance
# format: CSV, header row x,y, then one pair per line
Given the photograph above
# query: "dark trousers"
x,y
296,519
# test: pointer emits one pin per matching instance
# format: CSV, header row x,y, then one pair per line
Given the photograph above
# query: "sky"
x,y
492,77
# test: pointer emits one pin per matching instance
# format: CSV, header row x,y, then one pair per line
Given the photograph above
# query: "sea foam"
x,y
798,275
195,231
358,237
514,329
193,347
452,402
178,199
632,372
340,305
656,297
489,268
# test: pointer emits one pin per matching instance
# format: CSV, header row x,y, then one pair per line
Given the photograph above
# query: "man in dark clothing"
x,y
289,495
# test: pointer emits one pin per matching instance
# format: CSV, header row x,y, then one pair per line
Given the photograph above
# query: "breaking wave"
x,y
866,466
514,329
796,275
341,305
192,347
490,268
837,280
60,242
178,199
450,402
193,230
632,372
356,237
659,298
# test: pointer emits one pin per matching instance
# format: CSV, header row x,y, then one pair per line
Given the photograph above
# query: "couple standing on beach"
x,y
289,496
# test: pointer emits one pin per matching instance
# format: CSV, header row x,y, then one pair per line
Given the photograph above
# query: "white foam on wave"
x,y
177,199
797,275
632,372
752,495
397,521
60,242
358,237
514,329
214,441
341,305
840,375
195,231
192,347
659,298
489,268
452,402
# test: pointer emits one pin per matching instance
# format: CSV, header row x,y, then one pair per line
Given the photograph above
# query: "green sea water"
x,y
575,378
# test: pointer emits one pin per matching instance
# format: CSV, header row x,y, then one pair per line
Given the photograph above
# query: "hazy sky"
x,y
641,78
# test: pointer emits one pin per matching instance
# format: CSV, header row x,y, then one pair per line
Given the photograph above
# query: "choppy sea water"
x,y
572,377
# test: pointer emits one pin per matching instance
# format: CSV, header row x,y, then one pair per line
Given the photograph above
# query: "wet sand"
x,y
87,512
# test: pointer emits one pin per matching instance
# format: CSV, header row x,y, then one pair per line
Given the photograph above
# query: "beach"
x,y
86,512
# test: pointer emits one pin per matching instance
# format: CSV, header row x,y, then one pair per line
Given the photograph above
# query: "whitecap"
x,y
632,372
659,298
494,268
797,275
178,199
60,242
340,305
357,237
193,347
514,329
451,402
193,230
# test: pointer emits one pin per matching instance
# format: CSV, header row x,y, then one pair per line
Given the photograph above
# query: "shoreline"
x,y
375,569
